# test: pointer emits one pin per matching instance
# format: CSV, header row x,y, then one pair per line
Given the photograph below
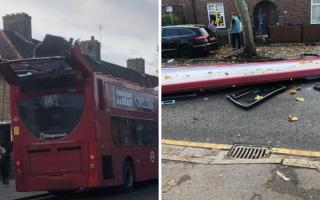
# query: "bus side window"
x,y
115,130
140,132
150,134
101,95
128,136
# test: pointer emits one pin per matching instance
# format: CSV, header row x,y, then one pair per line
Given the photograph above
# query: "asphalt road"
x,y
143,191
210,117
188,181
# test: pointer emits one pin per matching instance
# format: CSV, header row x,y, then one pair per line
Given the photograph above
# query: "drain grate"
x,y
248,152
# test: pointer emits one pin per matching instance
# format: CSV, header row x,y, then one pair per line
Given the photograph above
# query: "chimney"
x,y
91,48
20,23
136,64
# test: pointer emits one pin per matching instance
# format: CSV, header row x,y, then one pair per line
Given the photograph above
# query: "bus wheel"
x,y
128,176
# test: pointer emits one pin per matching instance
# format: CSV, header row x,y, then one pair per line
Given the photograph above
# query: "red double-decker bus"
x,y
75,126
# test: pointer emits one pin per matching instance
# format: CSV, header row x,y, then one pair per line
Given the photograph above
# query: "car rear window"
x,y
185,32
203,31
170,32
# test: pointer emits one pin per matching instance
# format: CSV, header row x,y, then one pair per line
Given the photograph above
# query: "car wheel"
x,y
128,176
186,52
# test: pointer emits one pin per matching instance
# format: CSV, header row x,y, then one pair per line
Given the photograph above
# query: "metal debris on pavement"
x,y
168,102
249,97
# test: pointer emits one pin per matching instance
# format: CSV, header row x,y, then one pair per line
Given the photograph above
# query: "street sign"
x,y
169,9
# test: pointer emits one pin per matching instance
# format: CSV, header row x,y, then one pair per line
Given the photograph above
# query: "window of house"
x,y
315,11
216,15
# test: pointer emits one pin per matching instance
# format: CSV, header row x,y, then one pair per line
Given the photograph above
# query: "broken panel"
x,y
249,97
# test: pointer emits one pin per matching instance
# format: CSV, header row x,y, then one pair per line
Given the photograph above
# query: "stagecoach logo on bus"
x,y
133,100
45,136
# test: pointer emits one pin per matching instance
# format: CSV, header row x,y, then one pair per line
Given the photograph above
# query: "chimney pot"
x,y
137,64
19,22
91,48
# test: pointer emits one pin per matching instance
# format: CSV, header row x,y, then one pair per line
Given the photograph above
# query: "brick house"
x,y
263,13
16,43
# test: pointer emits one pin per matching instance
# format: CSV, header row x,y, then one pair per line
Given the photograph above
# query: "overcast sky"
x,y
129,27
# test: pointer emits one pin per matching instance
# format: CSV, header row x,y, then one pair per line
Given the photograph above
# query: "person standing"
x,y
235,31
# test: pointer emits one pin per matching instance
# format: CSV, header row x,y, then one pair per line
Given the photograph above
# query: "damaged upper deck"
x,y
192,78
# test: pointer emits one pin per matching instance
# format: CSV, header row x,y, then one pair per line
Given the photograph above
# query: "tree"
x,y
170,19
249,44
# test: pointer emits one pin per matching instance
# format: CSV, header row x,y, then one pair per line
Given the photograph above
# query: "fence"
x,y
294,33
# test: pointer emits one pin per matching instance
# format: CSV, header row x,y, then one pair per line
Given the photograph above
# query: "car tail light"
x,y
18,163
202,38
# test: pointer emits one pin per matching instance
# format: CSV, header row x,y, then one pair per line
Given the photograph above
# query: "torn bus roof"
x,y
56,70
193,78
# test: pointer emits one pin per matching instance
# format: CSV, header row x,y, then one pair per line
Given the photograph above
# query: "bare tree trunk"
x,y
249,44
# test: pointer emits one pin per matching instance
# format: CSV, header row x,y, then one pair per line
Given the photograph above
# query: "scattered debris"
x,y
220,175
292,91
317,86
283,176
300,99
239,135
292,118
168,102
169,185
205,99
258,97
170,61
248,97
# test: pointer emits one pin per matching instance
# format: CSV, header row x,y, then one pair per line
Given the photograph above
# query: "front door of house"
x,y
265,15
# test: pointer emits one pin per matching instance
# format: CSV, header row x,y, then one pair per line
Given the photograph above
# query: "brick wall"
x,y
298,11
8,52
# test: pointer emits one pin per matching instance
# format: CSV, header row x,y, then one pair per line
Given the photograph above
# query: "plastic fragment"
x,y
283,176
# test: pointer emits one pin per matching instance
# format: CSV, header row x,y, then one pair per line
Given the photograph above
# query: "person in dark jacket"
x,y
6,144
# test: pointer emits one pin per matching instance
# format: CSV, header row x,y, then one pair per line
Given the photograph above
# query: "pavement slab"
x,y
238,182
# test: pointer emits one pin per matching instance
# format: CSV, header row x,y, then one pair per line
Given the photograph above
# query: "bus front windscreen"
x,y
52,116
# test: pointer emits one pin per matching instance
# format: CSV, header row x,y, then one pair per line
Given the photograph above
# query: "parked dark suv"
x,y
186,40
